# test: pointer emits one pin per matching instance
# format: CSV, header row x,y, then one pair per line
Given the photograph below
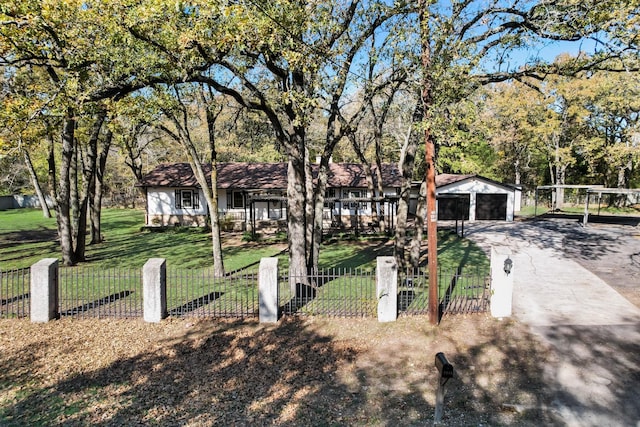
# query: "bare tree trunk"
x,y
36,185
416,240
381,216
296,219
95,200
310,210
51,173
74,199
183,137
517,172
89,162
318,199
406,163
216,242
63,213
318,221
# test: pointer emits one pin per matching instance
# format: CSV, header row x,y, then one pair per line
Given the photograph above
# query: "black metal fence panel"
x,y
459,291
199,293
330,292
466,292
89,292
14,293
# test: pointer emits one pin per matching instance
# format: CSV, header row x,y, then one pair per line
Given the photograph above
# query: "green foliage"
x,y
581,128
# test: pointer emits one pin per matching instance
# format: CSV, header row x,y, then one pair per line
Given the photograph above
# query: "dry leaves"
x,y
298,372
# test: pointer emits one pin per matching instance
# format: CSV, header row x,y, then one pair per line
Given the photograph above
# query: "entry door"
x,y
491,206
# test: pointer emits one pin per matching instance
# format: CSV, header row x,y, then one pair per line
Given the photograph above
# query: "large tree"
x,y
289,58
283,59
182,106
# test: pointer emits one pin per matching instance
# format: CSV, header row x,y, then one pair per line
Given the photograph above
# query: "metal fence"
x,y
14,292
330,292
459,291
90,292
100,292
87,292
200,293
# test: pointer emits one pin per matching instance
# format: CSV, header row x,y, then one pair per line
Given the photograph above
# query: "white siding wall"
x,y
161,203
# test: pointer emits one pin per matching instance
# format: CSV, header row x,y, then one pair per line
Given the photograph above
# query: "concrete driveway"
x,y
593,331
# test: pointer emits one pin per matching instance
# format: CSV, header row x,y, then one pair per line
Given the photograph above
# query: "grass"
x,y
529,211
26,237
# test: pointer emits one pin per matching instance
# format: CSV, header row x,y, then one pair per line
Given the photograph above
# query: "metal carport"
x,y
600,192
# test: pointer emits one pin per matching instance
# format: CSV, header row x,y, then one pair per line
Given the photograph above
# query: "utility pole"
x,y
430,154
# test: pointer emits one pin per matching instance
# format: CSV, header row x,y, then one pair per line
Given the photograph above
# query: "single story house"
x,y
254,194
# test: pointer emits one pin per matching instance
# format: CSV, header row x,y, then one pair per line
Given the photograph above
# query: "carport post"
x,y
502,271
585,218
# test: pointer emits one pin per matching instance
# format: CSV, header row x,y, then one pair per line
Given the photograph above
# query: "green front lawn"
x,y
26,237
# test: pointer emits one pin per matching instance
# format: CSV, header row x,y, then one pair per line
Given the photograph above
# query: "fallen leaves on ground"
x,y
312,371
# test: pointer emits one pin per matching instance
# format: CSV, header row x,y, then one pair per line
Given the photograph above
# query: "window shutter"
x,y
178,200
196,199
229,199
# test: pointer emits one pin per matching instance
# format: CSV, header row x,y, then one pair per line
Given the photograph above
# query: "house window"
x,y
235,199
356,194
275,209
187,199
330,194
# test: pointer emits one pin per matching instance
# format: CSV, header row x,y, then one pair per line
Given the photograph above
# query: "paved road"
x,y
593,330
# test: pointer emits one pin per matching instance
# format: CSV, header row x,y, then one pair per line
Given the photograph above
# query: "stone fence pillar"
x,y
154,292
44,290
268,290
502,271
387,288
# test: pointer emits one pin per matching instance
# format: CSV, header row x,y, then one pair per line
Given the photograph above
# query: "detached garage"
x,y
473,197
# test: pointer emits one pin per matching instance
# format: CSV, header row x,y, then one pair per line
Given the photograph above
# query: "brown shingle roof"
x,y
353,175
449,178
171,175
270,176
